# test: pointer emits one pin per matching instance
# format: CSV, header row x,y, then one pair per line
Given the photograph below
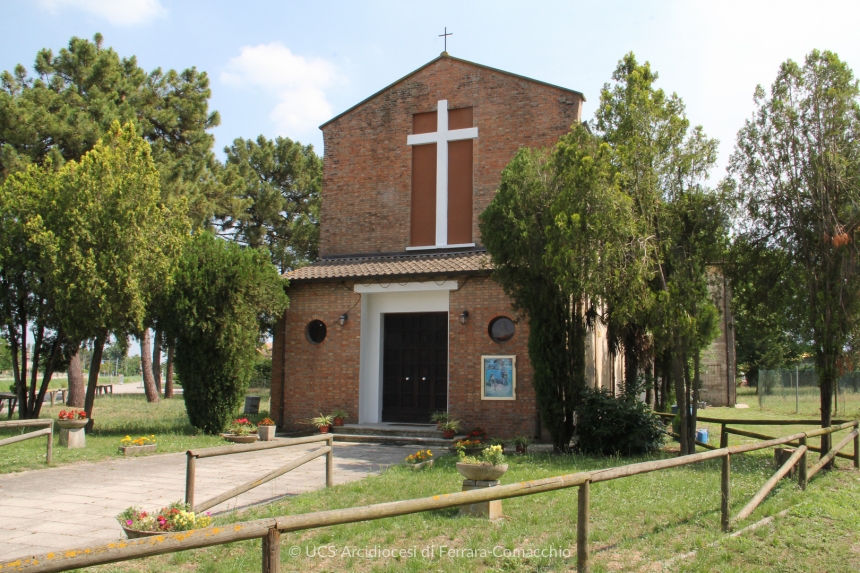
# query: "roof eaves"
x,y
433,61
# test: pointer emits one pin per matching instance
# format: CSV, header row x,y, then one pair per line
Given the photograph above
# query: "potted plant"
x,y
491,465
241,431
322,422
141,445
440,418
72,419
338,416
450,429
521,443
175,517
468,447
420,460
478,434
266,430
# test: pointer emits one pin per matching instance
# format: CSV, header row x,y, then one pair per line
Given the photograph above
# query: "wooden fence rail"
x,y
47,430
269,530
193,455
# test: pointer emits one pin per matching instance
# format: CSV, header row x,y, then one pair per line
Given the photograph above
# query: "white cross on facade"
x,y
441,137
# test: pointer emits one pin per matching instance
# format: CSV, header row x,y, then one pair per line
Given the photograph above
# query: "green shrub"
x,y
609,425
223,301
262,375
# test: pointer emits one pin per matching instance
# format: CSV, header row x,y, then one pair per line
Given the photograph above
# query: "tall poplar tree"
x,y
663,166
796,166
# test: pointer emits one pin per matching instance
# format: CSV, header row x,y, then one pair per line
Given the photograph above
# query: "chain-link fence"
x,y
796,391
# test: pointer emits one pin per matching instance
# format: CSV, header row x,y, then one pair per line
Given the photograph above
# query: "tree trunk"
x,y
95,365
827,376
168,384
30,404
146,368
680,392
631,363
649,385
156,360
56,348
77,388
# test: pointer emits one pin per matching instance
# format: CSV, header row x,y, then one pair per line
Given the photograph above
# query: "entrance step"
x,y
399,434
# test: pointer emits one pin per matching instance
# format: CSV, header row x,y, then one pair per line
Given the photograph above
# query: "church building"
x,y
400,317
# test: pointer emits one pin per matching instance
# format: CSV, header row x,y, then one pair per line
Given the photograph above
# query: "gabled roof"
x,y
392,266
450,57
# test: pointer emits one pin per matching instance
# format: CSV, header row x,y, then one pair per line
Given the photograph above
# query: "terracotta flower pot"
x,y
481,472
448,434
338,421
72,424
324,429
522,449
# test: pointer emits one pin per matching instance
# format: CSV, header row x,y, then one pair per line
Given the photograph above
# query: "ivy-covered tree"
x,y
560,234
796,166
223,301
663,166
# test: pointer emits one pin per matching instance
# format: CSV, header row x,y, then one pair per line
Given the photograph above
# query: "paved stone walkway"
x,y
76,505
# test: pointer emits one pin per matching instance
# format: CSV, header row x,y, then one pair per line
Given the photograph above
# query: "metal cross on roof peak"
x,y
445,35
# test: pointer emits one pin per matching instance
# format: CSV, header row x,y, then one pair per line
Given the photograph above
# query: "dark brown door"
x,y
415,366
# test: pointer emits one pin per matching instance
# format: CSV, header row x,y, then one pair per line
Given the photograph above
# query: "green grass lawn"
x,y
115,417
637,523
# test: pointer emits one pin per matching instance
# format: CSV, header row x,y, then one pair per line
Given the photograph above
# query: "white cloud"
x,y
297,82
117,12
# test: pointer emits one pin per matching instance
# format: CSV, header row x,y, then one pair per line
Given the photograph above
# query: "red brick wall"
x,y
367,173
485,300
318,377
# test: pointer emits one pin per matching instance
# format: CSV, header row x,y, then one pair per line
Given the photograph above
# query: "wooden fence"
x,y
269,530
47,431
194,455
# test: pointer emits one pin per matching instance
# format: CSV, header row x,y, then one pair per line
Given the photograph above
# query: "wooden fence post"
x,y
725,493
582,518
49,456
190,471
857,447
724,437
329,463
272,551
801,470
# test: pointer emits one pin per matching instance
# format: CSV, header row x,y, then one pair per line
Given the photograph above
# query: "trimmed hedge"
x,y
606,424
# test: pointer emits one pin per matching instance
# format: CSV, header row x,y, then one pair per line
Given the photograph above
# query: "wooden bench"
x,y
104,389
52,394
11,398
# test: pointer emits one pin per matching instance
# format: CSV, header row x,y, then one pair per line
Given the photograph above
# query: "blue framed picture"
x,y
498,377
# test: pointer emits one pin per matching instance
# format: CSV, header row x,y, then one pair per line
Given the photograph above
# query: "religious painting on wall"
x,y
498,377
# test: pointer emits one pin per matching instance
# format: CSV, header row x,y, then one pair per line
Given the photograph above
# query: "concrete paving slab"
x,y
44,512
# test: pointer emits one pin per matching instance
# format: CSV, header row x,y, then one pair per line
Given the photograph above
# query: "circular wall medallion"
x,y
501,329
315,331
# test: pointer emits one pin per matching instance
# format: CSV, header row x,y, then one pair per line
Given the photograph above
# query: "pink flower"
x,y
129,522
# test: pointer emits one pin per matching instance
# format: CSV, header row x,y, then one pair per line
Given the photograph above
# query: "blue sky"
x,y
283,68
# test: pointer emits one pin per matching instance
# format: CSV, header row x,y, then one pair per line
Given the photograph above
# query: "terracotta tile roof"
x,y
461,263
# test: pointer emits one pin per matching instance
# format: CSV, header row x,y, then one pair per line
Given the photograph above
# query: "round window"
x,y
502,329
315,331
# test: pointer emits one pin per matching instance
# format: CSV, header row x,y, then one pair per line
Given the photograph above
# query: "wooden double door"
x,y
415,366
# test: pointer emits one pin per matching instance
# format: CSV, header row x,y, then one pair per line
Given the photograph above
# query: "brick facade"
x,y
320,377
366,211
368,166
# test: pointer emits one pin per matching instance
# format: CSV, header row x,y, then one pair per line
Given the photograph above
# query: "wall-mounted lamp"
x,y
343,318
464,317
